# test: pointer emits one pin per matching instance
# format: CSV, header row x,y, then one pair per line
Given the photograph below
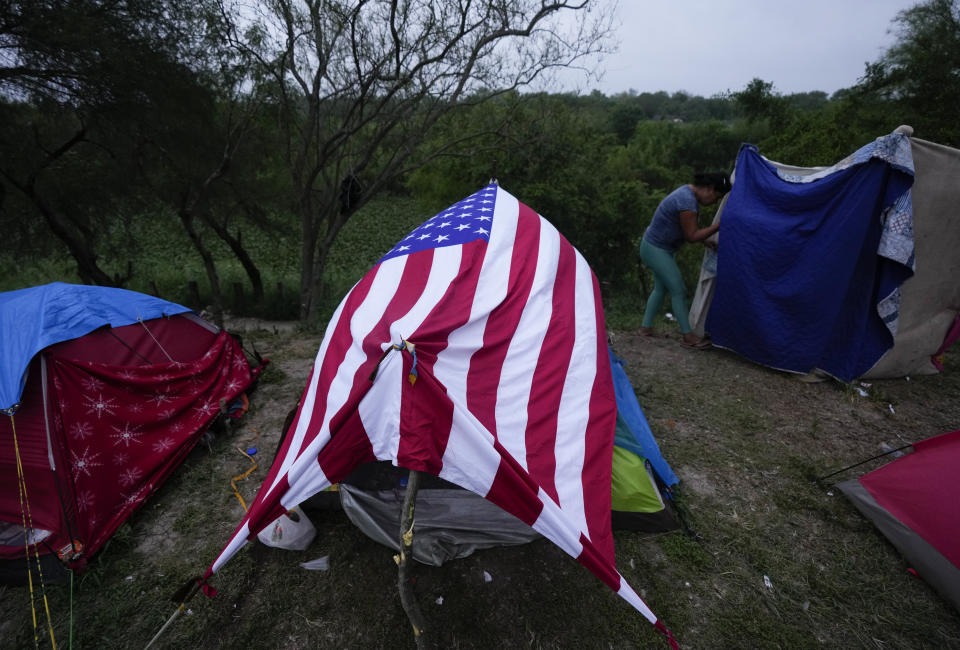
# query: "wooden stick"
x,y
404,582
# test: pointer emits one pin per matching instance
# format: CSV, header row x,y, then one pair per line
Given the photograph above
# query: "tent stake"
x,y
404,582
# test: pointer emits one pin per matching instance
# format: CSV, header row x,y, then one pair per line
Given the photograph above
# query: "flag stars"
x,y
422,237
483,218
462,226
482,231
400,249
441,238
444,224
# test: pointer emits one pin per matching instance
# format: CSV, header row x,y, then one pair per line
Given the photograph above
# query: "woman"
x,y
674,222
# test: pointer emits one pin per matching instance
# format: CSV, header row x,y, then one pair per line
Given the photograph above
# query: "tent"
x,y
103,393
453,522
915,503
849,269
474,351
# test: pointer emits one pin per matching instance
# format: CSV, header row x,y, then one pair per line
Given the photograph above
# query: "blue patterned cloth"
x,y
809,267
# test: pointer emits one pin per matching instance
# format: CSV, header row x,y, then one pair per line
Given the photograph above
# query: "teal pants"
x,y
666,277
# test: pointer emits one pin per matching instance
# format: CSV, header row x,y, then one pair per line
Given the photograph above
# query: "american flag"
x,y
474,350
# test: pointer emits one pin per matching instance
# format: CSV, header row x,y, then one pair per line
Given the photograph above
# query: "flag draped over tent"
x,y
474,350
809,267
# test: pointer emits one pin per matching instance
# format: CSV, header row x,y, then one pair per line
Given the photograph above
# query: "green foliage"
x,y
918,75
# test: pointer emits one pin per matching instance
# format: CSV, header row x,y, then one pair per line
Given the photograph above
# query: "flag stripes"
x,y
512,399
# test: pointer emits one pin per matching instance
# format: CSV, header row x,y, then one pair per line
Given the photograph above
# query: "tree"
x,y
920,74
140,93
72,73
761,103
358,85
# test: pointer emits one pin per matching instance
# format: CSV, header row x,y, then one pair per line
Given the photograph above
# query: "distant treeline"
x,y
154,136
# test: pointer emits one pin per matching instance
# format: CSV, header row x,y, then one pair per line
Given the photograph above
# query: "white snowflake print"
x,y
166,414
163,445
57,384
85,501
129,476
135,407
205,409
80,430
163,379
232,387
91,384
126,434
161,397
120,459
176,427
100,405
127,375
133,498
84,463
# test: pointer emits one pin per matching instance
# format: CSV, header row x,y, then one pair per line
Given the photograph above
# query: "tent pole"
x,y
403,560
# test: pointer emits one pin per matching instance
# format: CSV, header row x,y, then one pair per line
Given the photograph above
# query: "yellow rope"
x,y
233,481
27,518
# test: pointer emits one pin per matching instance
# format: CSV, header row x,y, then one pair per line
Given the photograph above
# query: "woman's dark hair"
x,y
717,180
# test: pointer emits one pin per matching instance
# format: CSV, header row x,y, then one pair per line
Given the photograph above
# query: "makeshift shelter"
x,y
103,392
474,350
453,522
849,269
915,503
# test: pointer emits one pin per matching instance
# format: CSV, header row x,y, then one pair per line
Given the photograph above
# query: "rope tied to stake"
x,y
402,345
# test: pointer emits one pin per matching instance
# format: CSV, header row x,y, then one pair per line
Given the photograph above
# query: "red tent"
x,y
915,502
103,420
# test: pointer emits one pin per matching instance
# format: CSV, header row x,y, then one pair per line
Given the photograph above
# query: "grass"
x,y
748,452
748,444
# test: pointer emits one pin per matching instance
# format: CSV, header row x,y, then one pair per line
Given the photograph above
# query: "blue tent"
x,y
35,318
643,443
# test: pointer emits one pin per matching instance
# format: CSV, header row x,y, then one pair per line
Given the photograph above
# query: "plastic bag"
x,y
292,531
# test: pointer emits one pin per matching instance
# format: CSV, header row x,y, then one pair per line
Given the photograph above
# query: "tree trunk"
x,y
404,582
308,243
186,218
80,247
236,245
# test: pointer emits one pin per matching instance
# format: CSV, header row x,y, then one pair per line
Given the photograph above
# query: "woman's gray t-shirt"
x,y
665,230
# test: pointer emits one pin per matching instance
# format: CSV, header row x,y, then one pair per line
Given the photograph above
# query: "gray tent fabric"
x,y
930,300
451,523
924,558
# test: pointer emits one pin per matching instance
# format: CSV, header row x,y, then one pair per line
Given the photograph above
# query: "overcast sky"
x,y
706,47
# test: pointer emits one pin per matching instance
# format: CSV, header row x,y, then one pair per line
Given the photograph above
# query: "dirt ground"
x,y
747,443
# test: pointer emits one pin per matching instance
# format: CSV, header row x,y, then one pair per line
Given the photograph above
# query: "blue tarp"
x,y
35,318
809,268
629,409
